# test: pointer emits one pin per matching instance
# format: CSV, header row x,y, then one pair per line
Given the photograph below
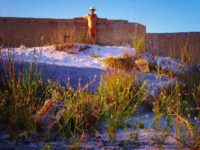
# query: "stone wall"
x,y
40,32
185,45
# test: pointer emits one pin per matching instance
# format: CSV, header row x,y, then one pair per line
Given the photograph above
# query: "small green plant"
x,y
82,113
47,147
75,145
177,109
190,79
159,137
82,110
119,102
139,43
94,56
189,51
138,125
20,94
115,101
135,135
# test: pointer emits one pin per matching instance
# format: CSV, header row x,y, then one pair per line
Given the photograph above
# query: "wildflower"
x,y
100,144
40,81
84,136
96,110
68,95
75,94
58,103
153,84
78,117
112,93
114,103
62,87
196,119
170,109
70,108
107,105
58,93
145,82
49,81
70,88
68,79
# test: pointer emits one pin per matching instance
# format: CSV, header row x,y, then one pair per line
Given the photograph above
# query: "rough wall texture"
x,y
184,45
38,32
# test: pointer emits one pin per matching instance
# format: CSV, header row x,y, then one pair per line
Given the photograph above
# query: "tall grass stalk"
x,y
177,109
119,98
21,93
139,43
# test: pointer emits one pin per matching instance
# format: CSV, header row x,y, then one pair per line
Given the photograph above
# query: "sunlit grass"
x,y
124,62
114,103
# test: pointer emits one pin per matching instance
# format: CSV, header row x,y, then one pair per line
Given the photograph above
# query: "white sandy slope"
x,y
84,59
81,59
167,63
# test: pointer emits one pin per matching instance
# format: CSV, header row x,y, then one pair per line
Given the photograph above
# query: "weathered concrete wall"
x,y
185,45
39,32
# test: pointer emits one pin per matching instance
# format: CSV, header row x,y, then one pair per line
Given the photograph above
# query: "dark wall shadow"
x,y
60,74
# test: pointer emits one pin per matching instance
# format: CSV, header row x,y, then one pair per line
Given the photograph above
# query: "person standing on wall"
x,y
92,21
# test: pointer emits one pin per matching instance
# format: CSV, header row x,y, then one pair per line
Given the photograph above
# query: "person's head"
x,y
92,10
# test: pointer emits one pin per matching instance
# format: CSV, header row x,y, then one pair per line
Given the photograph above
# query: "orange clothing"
x,y
92,19
92,22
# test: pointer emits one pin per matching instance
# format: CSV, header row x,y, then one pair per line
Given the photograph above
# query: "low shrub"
x,y
139,43
115,101
82,113
119,97
124,62
178,109
21,94
190,78
64,47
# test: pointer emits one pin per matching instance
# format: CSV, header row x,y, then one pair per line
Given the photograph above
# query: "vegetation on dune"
x,y
124,62
139,43
119,63
20,95
26,94
180,109
119,97
114,103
